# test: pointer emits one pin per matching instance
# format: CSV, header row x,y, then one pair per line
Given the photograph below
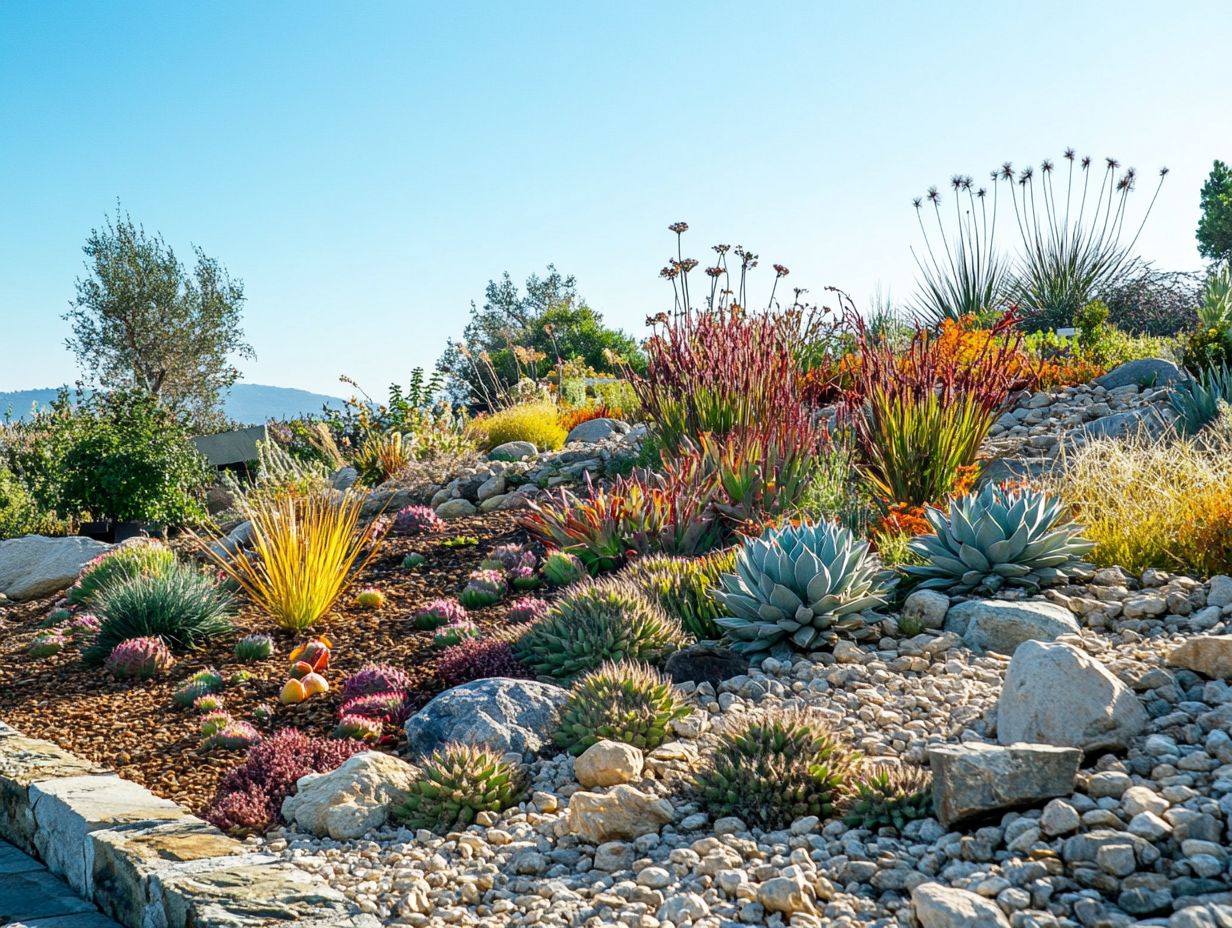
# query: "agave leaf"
x,y
973,557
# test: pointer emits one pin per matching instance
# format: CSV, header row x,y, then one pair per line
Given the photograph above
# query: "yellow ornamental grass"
x,y
305,552
537,422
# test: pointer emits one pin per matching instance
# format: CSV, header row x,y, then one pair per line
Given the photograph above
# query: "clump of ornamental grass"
x,y
253,648
536,422
202,683
181,605
139,659
305,551
483,588
456,784
627,702
526,610
479,659
417,520
375,678
439,612
139,557
771,768
1106,483
249,799
597,622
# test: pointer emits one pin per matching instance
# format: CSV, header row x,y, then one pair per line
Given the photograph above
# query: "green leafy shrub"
x,y
998,537
182,606
890,797
627,702
137,558
798,589
595,622
536,422
773,768
459,782
20,513
684,586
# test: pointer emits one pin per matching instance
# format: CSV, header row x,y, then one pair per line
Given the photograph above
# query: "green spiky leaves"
x,y
775,767
684,588
890,797
457,783
594,622
799,588
996,538
632,703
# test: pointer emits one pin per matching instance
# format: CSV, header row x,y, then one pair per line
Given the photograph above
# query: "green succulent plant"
x,y
998,537
775,767
1197,401
890,797
594,622
561,568
628,702
684,587
457,783
799,588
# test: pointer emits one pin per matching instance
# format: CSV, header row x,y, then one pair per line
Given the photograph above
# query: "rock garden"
x,y
791,617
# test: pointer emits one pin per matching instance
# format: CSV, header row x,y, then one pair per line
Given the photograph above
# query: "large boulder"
x,y
938,906
705,662
975,779
1153,372
352,799
1056,694
1122,424
500,713
35,565
1209,655
595,430
1001,626
513,451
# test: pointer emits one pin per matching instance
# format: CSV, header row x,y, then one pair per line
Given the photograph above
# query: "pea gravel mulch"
x,y
133,727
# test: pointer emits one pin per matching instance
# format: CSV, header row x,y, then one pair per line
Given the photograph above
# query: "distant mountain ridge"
x,y
247,403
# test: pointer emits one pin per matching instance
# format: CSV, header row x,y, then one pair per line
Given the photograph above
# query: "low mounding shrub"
x,y
799,588
535,422
182,606
478,659
773,768
20,514
133,559
305,551
1151,501
249,799
595,622
627,702
457,783
684,586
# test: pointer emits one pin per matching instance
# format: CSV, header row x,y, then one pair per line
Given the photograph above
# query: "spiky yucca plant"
x,y
606,620
458,782
775,767
684,588
798,588
998,537
628,702
890,796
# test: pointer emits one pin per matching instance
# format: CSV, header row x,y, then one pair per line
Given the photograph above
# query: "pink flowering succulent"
x,y
526,610
417,520
392,708
439,612
475,659
375,678
139,659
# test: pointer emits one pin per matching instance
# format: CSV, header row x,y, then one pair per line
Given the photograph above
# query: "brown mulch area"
x,y
133,727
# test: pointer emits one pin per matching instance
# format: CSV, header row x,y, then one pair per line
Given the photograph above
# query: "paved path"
x,y
32,897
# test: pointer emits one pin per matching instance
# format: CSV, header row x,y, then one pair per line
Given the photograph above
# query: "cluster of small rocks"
x,y
1082,777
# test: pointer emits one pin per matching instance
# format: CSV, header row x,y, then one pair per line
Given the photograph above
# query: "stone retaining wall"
x,y
143,860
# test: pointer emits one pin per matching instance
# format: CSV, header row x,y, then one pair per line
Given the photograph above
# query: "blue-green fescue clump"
x,y
799,588
997,538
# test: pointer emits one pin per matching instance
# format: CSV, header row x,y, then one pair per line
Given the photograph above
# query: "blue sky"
x,y
365,168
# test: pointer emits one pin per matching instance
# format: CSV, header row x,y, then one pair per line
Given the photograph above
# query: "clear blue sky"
x,y
366,167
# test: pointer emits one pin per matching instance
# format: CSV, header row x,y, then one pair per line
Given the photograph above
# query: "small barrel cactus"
x,y
453,633
459,782
411,561
375,678
139,659
252,648
484,588
47,644
561,568
417,520
998,537
392,708
370,598
210,702
264,713
236,736
439,612
525,610
201,683
626,702
509,557
890,796
596,622
211,723
359,728
476,659
774,767
523,578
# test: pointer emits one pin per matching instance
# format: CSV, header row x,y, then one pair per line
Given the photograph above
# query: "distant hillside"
x,y
248,403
